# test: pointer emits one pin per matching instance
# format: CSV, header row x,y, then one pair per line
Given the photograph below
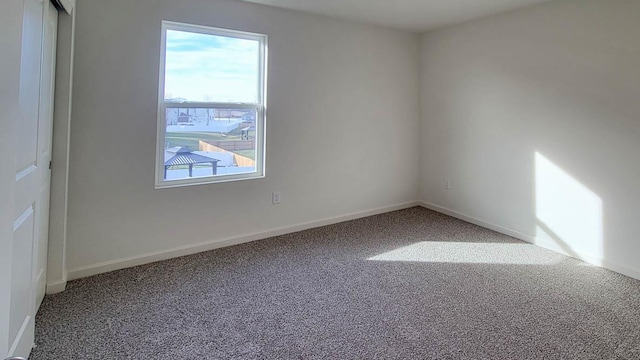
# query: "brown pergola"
x,y
181,155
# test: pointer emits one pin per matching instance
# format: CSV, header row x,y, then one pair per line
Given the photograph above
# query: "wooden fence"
x,y
239,160
233,145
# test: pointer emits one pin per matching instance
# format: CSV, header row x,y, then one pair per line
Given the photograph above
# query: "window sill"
x,y
207,180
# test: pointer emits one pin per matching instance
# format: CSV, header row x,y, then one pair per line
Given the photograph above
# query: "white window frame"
x,y
259,106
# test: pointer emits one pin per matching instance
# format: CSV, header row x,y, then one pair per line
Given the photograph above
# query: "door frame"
x,y
56,259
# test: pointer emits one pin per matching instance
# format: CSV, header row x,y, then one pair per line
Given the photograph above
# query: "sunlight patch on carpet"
x,y
471,253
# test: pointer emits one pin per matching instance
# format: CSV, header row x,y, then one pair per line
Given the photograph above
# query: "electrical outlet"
x,y
447,184
275,197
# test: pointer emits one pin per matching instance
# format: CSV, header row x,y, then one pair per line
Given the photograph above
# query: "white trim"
x,y
58,214
56,287
597,261
476,221
127,262
204,180
210,30
210,105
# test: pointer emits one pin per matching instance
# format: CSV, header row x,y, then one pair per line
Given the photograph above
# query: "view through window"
x,y
211,123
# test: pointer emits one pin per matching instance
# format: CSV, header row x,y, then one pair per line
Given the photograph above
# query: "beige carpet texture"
x,y
410,284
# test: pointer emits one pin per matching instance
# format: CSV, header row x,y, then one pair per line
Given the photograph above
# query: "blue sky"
x,y
201,67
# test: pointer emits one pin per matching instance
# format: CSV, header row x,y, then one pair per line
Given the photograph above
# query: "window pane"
x,y
211,68
202,142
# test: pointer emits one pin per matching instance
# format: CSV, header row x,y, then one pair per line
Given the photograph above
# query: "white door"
x,y
31,150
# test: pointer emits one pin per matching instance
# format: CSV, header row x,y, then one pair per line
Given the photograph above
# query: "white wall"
x,y
342,129
534,117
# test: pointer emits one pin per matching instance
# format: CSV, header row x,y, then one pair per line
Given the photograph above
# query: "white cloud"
x,y
203,67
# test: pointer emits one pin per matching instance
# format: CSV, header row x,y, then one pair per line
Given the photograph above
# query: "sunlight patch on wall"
x,y
569,214
471,253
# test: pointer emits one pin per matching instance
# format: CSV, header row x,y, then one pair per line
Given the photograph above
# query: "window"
x,y
211,114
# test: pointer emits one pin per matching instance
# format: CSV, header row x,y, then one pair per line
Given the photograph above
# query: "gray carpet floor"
x,y
411,284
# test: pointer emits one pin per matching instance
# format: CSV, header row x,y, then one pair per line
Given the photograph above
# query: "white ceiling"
x,y
411,15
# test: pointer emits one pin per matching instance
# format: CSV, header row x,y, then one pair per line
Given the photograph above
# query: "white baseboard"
x,y
56,287
601,262
118,264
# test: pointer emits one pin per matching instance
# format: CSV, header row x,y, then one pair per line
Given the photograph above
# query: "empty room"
x,y
336,179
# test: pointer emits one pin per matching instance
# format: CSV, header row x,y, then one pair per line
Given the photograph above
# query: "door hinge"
x,y
50,164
